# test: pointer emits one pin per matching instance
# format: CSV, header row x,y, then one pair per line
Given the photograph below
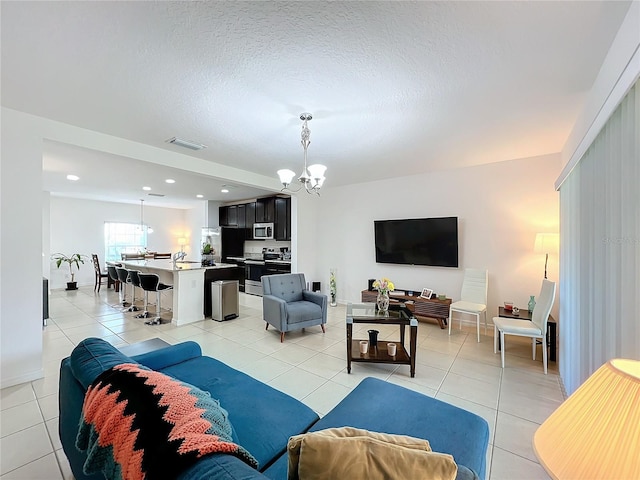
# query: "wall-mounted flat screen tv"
x,y
417,241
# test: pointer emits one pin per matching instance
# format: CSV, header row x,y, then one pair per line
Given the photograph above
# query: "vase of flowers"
x,y
333,286
384,286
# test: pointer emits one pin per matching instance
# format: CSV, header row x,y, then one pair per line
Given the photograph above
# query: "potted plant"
x,y
76,259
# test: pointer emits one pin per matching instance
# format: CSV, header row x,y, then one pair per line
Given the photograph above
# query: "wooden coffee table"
x,y
397,315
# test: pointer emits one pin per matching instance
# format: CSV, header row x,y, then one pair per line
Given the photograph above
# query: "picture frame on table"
x,y
426,293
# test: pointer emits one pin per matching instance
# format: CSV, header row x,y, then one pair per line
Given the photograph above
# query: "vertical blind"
x,y
600,249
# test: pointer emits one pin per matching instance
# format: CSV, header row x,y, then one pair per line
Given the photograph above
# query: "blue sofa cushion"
x,y
263,417
448,428
222,467
92,356
302,312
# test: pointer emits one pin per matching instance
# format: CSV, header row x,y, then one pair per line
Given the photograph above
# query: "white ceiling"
x,y
395,88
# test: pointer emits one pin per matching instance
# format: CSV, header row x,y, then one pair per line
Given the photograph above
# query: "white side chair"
x,y
473,299
536,328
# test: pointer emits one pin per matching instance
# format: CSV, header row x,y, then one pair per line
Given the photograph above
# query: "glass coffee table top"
x,y
368,311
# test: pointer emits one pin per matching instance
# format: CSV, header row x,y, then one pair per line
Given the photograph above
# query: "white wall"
x,y
500,208
20,252
77,226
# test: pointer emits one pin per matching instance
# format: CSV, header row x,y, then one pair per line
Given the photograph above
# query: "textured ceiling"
x,y
395,87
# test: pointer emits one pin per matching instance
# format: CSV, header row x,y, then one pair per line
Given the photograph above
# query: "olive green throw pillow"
x,y
351,453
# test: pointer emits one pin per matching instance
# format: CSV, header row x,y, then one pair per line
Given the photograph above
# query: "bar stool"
x,y
123,276
134,279
150,282
113,274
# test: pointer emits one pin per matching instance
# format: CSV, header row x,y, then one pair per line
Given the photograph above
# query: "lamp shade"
x,y
286,176
547,243
595,433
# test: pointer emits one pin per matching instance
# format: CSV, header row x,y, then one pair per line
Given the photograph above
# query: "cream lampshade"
x,y
595,433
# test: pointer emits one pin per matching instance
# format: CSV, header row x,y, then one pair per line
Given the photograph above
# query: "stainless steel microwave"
x,y
263,231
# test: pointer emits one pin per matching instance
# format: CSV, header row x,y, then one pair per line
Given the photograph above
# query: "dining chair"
x,y
473,298
100,274
536,328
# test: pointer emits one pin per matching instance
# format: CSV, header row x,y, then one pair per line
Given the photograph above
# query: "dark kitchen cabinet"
x,y
282,218
223,219
265,210
228,216
250,215
241,216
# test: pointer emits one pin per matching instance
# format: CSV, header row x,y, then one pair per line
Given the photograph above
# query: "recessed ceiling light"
x,y
199,195
186,143
73,178
146,189
170,180
225,190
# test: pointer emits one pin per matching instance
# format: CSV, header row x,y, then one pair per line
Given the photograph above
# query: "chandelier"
x,y
312,177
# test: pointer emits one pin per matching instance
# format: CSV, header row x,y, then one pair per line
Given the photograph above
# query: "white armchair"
x,y
473,298
536,328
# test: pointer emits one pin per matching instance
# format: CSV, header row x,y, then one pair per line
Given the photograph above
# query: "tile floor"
x,y
310,366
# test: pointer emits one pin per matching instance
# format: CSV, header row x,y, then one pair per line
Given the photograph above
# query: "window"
x,y
123,238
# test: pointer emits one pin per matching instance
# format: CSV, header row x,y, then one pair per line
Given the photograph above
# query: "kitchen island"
x,y
189,285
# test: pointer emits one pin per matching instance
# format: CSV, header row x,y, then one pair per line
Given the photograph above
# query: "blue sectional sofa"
x,y
263,418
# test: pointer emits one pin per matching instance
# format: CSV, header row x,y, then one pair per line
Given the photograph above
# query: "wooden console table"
x,y
421,307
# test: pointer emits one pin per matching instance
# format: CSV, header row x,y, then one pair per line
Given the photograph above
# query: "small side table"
x,y
551,328
397,315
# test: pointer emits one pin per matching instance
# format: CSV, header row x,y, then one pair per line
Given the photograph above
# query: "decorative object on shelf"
x,y
442,297
594,433
391,348
508,306
426,293
364,346
333,291
384,286
547,243
373,338
532,302
515,311
74,259
312,177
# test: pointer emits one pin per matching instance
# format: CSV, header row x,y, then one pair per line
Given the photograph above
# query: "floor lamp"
x,y
595,433
546,243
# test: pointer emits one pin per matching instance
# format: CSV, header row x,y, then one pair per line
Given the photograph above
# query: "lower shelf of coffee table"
x,y
380,354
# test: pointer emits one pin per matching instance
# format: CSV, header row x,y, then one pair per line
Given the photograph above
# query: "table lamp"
x,y
595,433
183,241
546,243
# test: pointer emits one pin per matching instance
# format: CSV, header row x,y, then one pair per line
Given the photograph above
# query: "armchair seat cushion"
x,y
302,311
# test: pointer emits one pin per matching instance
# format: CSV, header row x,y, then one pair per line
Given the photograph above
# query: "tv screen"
x,y
417,241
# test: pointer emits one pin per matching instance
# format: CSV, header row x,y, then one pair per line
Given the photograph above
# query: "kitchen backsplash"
x,y
252,247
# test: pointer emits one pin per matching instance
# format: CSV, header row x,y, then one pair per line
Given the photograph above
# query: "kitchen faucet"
x,y
178,256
